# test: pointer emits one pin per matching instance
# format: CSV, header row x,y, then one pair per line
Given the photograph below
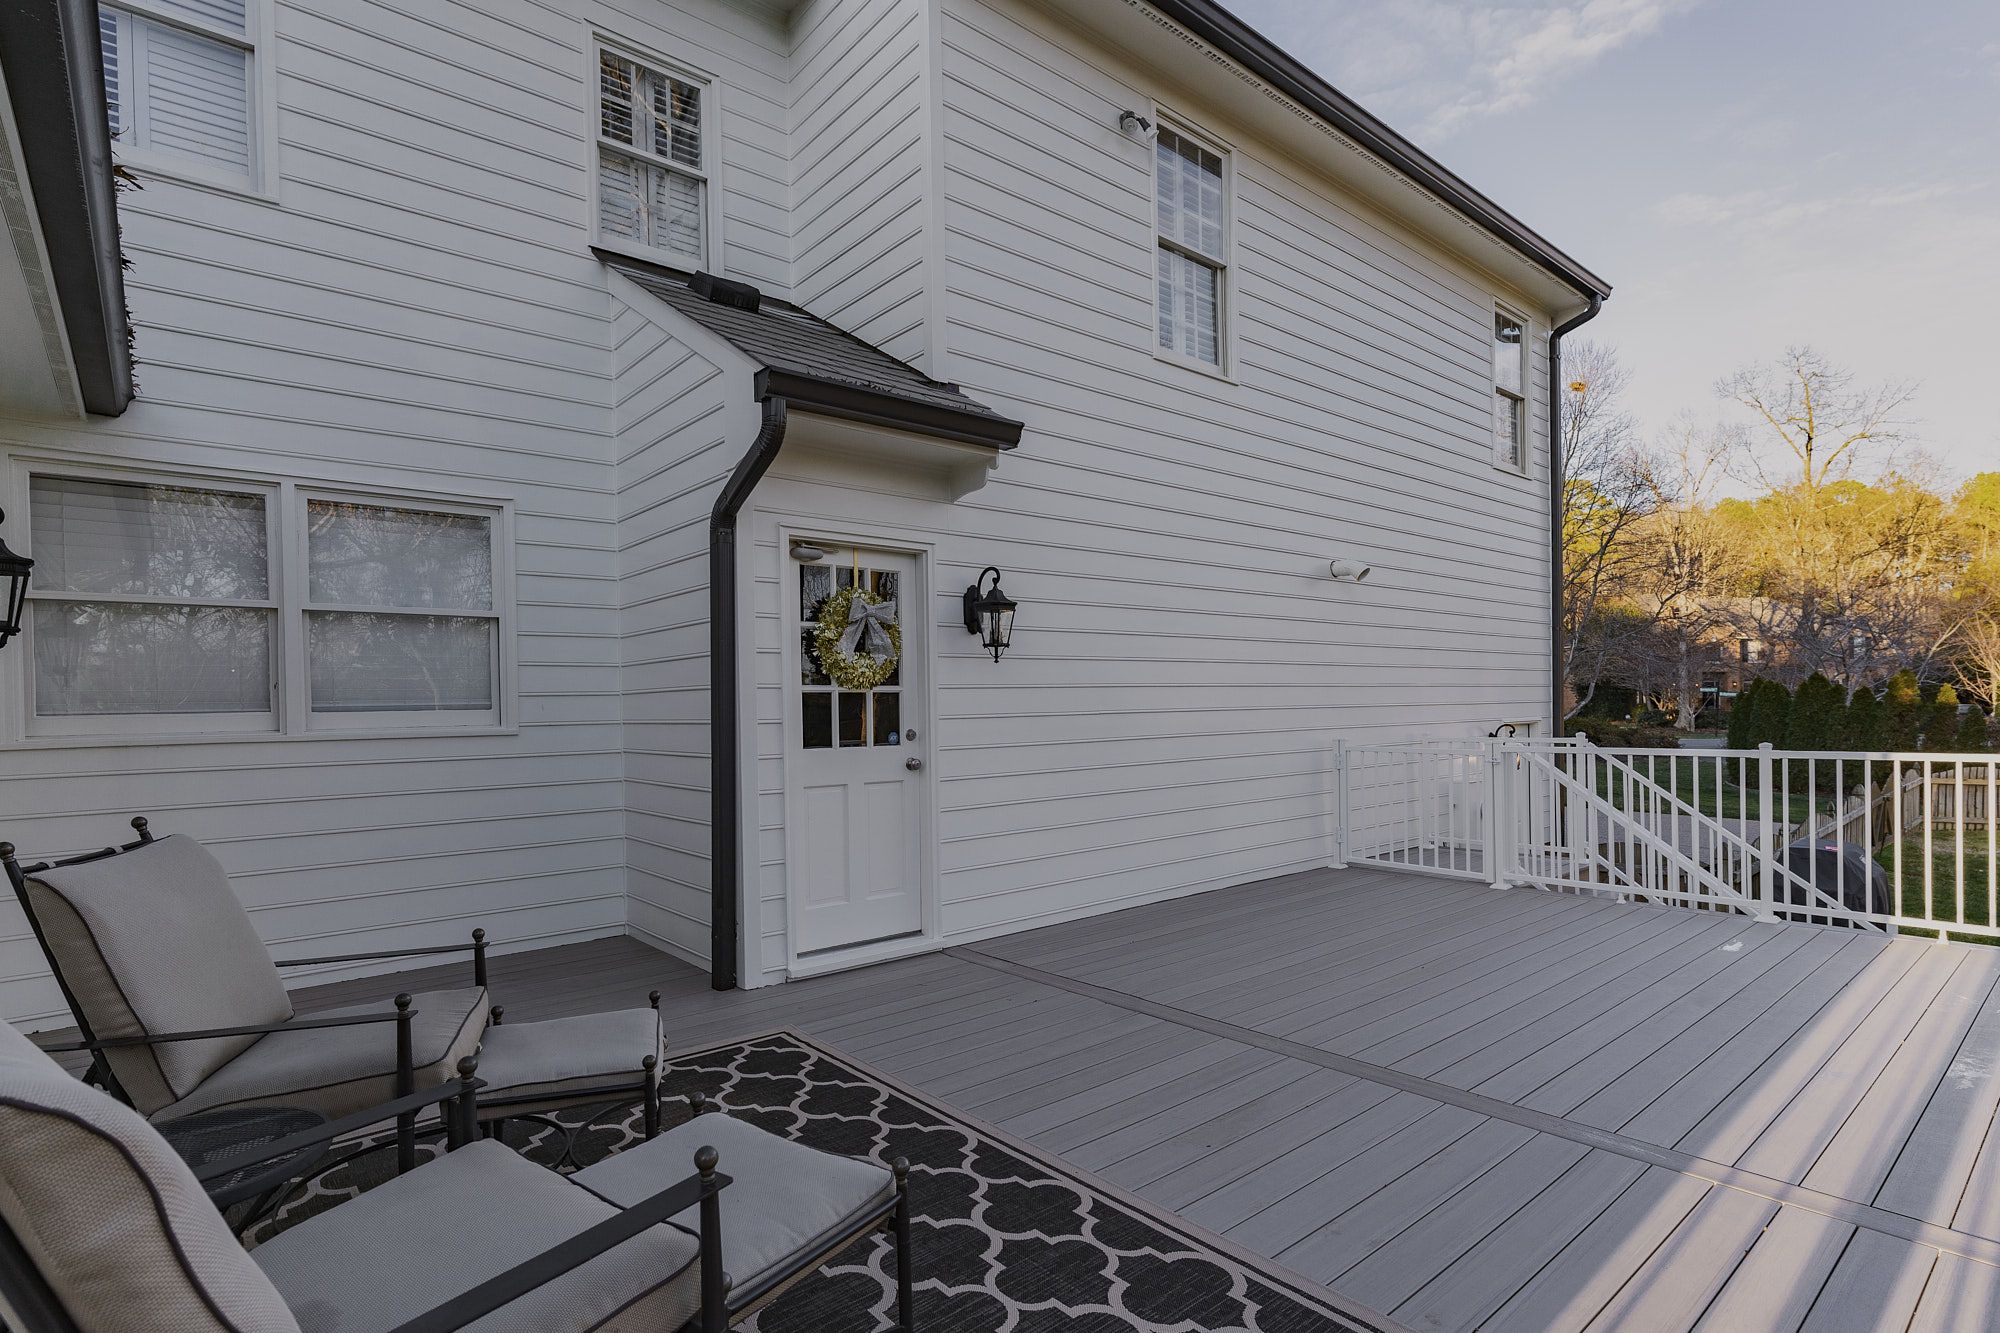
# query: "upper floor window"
x,y
652,168
1510,390
162,606
1192,221
179,81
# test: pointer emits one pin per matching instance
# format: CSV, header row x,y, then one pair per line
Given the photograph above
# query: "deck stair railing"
x,y
1882,841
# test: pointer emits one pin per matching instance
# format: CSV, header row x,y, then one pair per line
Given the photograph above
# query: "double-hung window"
x,y
180,80
652,168
167,607
1510,390
1190,181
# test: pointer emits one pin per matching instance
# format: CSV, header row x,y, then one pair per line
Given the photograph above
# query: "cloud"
x,y
1442,64
1770,210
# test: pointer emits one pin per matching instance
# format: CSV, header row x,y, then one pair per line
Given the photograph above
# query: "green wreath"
x,y
856,670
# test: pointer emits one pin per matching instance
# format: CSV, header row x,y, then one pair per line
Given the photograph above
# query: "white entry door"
x,y
855,799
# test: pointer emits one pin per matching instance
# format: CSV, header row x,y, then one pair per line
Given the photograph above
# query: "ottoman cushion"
x,y
552,1062
784,1199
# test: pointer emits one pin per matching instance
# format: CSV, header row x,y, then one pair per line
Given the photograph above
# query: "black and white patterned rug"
x,y
1006,1239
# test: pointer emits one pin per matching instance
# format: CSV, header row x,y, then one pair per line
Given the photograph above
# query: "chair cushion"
x,y
552,1061
112,1219
337,1071
784,1199
155,940
414,1243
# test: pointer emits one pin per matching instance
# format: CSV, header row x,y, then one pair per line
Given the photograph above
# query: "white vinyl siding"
x,y
1510,390
1192,218
179,83
165,607
652,181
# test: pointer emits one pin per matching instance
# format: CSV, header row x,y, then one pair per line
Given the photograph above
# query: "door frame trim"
x,y
924,553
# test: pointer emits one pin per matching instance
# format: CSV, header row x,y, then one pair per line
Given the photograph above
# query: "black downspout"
x,y
724,887
1556,496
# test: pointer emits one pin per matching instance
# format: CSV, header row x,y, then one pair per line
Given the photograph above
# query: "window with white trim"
x,y
180,83
652,166
170,607
1510,389
1191,214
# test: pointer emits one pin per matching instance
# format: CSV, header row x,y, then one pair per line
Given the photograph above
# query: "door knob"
x,y
913,763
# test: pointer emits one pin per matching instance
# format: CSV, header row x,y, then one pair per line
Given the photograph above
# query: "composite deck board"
x,y
1181,1051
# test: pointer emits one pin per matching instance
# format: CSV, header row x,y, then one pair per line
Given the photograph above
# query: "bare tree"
x,y
1690,568
1605,492
1813,422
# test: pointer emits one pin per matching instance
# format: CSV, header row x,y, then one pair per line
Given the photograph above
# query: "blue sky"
x,y
1746,173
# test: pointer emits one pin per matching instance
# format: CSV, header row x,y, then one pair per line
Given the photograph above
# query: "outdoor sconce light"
x,y
1133,123
14,587
990,614
1346,570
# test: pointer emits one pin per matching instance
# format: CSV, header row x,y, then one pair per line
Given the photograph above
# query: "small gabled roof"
x,y
816,366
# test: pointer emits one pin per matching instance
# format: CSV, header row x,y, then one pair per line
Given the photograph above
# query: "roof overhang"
x,y
853,402
1297,111
61,278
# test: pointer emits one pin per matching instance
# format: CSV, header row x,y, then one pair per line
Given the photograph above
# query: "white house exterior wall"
x,y
413,306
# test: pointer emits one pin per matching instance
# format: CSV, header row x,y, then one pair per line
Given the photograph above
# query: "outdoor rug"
x,y
1007,1239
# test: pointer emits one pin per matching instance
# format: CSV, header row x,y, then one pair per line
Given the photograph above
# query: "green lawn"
x,y
1730,802
1943,858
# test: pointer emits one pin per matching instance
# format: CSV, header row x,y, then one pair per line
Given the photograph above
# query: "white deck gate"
x,y
1881,841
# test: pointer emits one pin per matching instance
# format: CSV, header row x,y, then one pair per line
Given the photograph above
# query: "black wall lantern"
x,y
13,587
990,614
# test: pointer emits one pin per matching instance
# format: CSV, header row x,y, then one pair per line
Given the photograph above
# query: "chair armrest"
x,y
327,1133
552,1263
246,1030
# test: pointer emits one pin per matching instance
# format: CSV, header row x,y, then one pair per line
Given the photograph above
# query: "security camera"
x,y
1345,570
1132,122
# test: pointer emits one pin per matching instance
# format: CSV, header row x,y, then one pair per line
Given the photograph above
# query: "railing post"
x,y
1498,851
1765,888
1342,804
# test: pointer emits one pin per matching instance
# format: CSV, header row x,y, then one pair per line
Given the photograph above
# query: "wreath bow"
x,y
868,626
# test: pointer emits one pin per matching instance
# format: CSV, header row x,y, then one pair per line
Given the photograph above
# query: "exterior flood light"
x,y
1348,570
1133,123
14,590
990,614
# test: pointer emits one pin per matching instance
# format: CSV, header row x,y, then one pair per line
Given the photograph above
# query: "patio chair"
x,y
103,1228
184,1010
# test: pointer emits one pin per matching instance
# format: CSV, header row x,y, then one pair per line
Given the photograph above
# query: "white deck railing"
x,y
1885,841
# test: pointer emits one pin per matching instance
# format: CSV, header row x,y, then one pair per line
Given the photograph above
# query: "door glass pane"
x,y
99,657
111,537
363,663
853,720
888,718
815,583
809,671
817,712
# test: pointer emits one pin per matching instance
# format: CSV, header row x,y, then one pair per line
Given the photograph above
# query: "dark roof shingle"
x,y
802,354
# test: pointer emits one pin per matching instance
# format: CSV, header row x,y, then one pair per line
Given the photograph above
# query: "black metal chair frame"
x,y
645,1086
31,1307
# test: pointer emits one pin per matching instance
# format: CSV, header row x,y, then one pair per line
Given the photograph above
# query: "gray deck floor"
x,y
1464,1108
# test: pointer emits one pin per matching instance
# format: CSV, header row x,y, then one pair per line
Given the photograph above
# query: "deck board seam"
x,y
1978,1249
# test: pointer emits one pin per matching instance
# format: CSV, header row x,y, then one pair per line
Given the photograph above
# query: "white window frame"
x,y
291,716
1223,264
258,40
707,174
1523,413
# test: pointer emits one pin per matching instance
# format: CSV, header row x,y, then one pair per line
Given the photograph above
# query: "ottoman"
x,y
788,1208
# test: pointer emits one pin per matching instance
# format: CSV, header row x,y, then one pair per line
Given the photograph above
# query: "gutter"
x,y
1557,480
1243,44
724,767
49,52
